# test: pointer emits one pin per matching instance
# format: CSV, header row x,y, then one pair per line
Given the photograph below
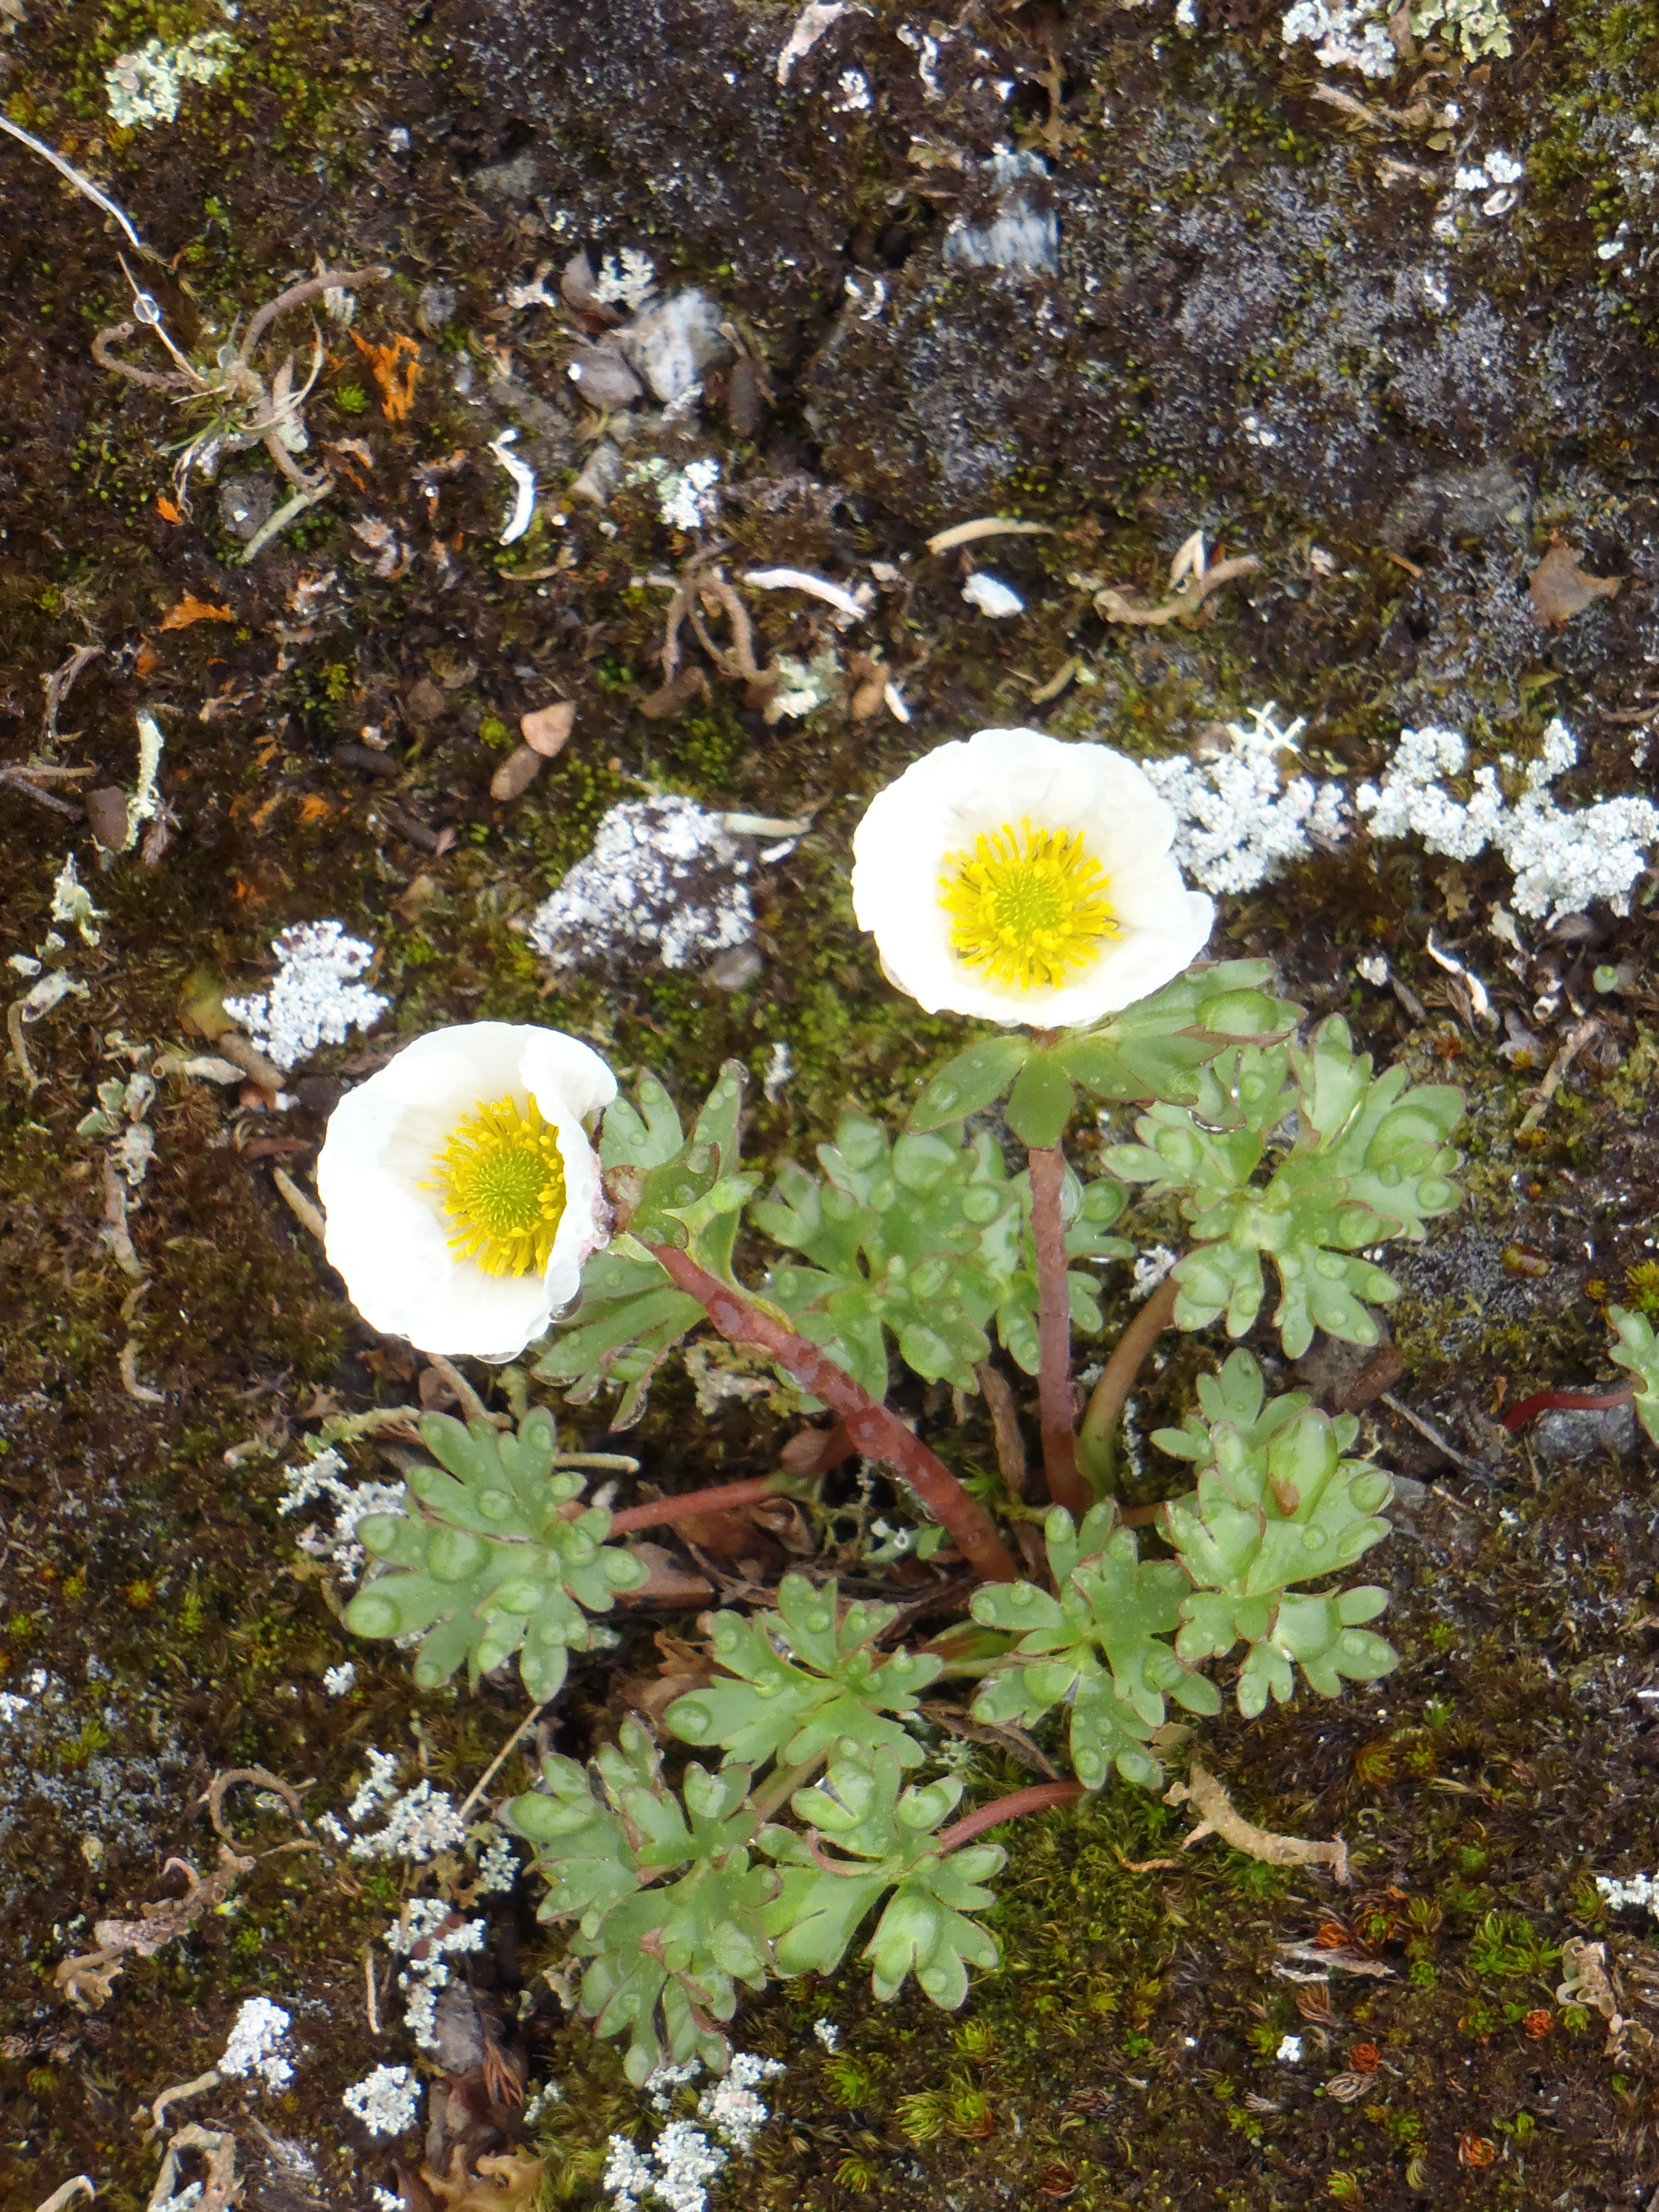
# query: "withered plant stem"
x,y
723,1497
1111,1393
1042,1797
1056,1415
878,1433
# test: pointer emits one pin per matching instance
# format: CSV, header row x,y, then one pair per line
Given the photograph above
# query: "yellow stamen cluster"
x,y
500,1178
1028,906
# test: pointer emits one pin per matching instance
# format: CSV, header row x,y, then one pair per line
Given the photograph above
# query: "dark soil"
x,y
1231,247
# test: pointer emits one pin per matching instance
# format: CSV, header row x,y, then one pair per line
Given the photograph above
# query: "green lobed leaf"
x,y
886,1837
968,1084
490,1567
1097,1648
1637,1352
665,1956
804,1678
1153,1048
1277,1504
1366,1161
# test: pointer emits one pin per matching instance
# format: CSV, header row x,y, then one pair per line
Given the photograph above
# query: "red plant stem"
x,y
1111,1393
724,1498
1056,1416
878,1433
1562,1402
1043,1798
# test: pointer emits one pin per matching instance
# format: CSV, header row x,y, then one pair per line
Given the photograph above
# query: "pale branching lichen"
x,y
145,87
316,999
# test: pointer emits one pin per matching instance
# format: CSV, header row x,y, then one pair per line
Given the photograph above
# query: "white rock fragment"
x,y
523,482
662,878
1371,967
385,2101
992,596
316,999
779,1069
1020,236
256,2039
675,345
809,26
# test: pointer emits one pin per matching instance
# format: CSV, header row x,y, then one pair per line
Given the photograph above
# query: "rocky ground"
x,y
1129,274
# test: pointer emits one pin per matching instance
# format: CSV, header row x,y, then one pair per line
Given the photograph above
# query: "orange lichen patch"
x,y
166,509
147,659
192,609
395,368
313,809
264,814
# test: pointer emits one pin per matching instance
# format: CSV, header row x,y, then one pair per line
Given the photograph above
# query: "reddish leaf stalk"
x,y
1056,1415
724,1498
876,1432
1563,1401
1042,1798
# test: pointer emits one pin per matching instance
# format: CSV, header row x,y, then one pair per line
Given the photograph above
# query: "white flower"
x,y
1020,879
462,1193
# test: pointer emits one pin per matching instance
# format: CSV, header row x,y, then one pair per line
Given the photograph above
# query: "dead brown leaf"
x,y
192,609
1559,588
547,731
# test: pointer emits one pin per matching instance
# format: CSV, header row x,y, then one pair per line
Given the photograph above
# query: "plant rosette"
x,y
1017,877
461,1192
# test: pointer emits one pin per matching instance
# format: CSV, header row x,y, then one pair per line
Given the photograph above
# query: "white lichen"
x,y
1640,1892
338,1679
1562,858
316,999
71,904
257,2035
662,879
627,283
336,1541
419,1824
425,1937
144,87
1239,819
385,2101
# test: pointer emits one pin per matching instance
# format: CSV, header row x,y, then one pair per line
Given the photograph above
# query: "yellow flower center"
x,y
1029,907
501,1180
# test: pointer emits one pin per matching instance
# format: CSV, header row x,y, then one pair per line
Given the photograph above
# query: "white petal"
x,y
388,1233
946,800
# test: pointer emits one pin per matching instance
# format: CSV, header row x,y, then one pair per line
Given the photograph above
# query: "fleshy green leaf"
x,y
1153,1048
665,1956
1276,1504
1638,1351
490,1559
1042,1101
1357,1161
1097,1647
888,1836
969,1082
804,1678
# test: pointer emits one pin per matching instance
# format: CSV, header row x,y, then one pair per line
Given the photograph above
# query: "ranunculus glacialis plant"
x,y
461,1192
1019,878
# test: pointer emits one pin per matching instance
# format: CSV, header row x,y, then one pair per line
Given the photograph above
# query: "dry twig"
x,y
1217,1817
